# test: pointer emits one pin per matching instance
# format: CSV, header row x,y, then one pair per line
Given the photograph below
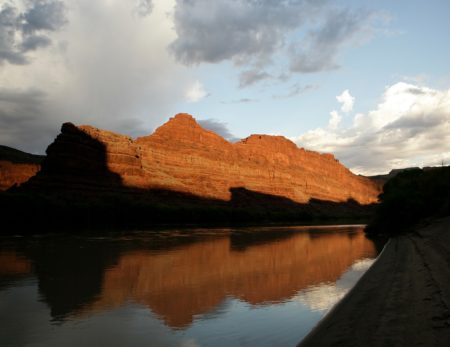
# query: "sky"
x,y
368,81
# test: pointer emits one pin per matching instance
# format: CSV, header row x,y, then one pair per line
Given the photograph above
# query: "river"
x,y
259,286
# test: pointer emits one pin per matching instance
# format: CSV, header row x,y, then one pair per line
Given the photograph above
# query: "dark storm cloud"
x,y
25,98
43,15
214,31
34,42
319,50
131,93
9,23
219,128
24,120
29,120
21,32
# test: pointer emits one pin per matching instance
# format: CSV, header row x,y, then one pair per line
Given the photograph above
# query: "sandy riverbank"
x,y
402,300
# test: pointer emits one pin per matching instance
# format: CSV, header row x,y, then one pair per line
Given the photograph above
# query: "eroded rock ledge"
x,y
181,156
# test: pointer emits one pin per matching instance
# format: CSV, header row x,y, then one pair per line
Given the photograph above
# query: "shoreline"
x,y
12,229
402,300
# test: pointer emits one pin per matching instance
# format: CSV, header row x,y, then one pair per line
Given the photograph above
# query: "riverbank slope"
x,y
402,300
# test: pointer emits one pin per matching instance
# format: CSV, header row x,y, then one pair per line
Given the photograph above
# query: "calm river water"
x,y
198,287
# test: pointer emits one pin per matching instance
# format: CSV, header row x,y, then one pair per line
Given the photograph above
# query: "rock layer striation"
x,y
182,156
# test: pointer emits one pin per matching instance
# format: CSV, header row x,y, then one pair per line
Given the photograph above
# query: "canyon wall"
x,y
16,167
181,156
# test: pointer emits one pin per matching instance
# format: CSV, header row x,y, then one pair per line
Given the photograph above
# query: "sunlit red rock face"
x,y
182,156
15,174
194,279
17,167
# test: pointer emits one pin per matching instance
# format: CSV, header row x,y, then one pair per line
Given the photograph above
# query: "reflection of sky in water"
x,y
324,296
233,323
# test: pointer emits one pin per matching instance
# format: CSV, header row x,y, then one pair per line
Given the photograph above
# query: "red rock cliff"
x,y
182,156
16,167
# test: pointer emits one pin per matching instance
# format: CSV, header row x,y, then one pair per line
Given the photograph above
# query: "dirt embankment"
x,y
403,300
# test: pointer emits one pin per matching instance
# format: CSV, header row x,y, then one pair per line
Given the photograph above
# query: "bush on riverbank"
x,y
411,197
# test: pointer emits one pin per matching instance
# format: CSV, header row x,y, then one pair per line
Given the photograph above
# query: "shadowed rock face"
x,y
182,156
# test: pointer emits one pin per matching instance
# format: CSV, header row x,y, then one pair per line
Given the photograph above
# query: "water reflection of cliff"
x,y
12,268
12,264
196,278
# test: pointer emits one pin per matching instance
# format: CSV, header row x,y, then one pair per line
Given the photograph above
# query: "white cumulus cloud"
x,y
409,127
196,92
347,101
334,121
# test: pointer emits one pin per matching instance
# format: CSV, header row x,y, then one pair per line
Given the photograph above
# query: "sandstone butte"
x,y
182,156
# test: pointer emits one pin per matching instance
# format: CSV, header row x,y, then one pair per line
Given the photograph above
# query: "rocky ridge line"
x,y
181,156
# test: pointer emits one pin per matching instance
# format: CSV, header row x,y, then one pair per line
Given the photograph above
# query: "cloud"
x,y
240,101
346,100
251,34
143,7
23,118
296,90
318,51
219,128
35,42
409,127
214,31
24,30
249,77
363,264
107,67
334,121
324,296
43,15
196,92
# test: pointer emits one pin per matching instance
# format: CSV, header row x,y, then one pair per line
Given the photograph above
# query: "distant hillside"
x,y
382,179
410,197
15,156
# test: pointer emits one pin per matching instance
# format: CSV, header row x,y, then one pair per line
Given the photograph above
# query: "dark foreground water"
x,y
202,287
